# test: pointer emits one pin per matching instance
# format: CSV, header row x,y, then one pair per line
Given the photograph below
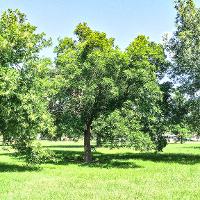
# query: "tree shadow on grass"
x,y
65,146
192,147
111,164
9,167
6,167
76,157
6,154
124,160
180,158
102,160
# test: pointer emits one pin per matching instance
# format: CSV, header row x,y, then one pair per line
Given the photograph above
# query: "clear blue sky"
x,y
121,19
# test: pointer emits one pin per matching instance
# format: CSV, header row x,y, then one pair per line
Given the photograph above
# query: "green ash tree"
x,y
100,79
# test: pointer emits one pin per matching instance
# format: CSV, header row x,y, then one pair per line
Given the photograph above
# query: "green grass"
x,y
115,174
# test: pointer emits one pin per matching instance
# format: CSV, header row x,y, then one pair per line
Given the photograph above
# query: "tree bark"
x,y
98,140
87,145
181,139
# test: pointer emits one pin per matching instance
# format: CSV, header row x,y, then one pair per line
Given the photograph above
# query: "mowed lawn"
x,y
115,174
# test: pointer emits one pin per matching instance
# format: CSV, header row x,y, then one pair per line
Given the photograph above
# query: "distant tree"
x,y
100,79
184,49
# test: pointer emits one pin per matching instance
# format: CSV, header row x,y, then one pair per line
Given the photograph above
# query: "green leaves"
x,y
184,49
100,78
19,41
8,80
122,128
92,80
26,81
184,46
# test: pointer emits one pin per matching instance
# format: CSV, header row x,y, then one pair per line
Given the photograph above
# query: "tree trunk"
x,y
98,140
181,139
87,145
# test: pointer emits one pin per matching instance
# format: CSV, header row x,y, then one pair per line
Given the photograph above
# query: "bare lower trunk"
x,y
181,139
98,140
87,145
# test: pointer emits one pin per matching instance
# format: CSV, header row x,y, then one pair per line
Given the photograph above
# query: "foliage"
x,y
33,153
122,129
26,81
19,41
184,48
100,78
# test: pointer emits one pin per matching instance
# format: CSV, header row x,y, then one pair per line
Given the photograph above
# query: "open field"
x,y
116,174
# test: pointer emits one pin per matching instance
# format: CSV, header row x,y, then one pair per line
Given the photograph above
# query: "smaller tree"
x,y
184,48
26,81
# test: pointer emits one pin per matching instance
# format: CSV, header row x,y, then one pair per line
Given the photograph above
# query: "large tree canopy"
x,y
26,81
100,78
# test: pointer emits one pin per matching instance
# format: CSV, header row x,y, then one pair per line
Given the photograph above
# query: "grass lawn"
x,y
116,174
